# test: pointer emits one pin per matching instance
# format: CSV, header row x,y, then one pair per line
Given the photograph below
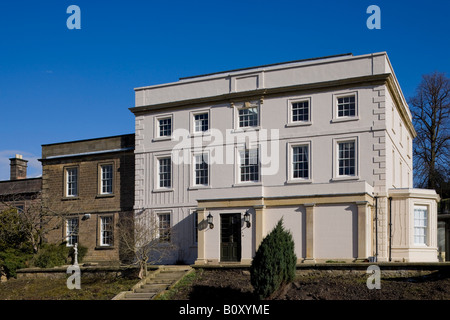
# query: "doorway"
x,y
230,237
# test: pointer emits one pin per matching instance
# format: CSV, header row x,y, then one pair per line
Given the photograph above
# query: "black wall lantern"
x,y
209,219
247,219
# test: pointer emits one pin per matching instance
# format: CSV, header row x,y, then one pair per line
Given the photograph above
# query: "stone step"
x,y
172,272
162,281
175,268
150,291
133,298
154,286
136,296
159,282
169,275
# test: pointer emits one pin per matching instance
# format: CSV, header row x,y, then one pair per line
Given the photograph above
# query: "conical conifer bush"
x,y
274,263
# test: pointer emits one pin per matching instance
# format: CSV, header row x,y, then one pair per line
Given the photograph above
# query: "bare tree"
x,y
37,219
430,108
146,238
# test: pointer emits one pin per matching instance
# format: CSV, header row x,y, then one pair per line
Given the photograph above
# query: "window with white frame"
x,y
300,162
72,182
201,170
164,227
346,106
164,127
201,122
420,224
106,182
248,117
165,172
249,165
300,111
346,158
71,231
106,231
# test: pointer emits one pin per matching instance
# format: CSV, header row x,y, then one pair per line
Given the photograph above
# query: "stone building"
x,y
20,192
324,143
89,185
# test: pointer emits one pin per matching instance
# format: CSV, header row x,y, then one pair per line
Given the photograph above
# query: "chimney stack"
x,y
18,168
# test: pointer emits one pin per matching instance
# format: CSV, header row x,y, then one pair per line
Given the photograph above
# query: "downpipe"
x,y
376,229
390,228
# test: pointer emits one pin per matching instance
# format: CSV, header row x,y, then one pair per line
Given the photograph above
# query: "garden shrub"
x,y
274,263
12,259
52,255
15,248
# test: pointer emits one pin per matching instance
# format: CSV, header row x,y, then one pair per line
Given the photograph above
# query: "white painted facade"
x,y
331,216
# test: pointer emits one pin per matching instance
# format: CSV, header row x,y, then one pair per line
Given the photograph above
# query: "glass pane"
x,y
347,161
165,173
300,162
201,122
249,165
248,117
165,127
346,106
300,111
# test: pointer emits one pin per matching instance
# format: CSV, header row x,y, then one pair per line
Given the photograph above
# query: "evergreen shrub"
x,y
274,263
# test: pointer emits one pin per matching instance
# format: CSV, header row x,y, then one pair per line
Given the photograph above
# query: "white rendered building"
x,y
325,144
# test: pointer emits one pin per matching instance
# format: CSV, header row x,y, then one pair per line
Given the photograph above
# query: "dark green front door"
x,y
230,237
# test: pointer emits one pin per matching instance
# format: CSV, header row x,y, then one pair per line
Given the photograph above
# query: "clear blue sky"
x,y
60,85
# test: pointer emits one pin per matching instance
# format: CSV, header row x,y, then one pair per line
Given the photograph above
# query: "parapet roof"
x,y
267,65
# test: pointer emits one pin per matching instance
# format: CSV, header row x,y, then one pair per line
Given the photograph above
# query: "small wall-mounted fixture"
x,y
247,219
86,216
209,219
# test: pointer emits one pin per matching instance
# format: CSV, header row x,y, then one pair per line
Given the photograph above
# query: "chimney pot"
x,y
18,168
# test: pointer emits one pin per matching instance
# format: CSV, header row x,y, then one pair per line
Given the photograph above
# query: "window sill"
x,y
246,129
247,184
162,190
70,198
200,134
298,124
161,139
104,248
106,195
299,181
344,178
344,119
199,187
420,245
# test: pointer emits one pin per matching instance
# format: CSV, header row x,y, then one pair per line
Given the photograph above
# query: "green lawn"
x,y
56,289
